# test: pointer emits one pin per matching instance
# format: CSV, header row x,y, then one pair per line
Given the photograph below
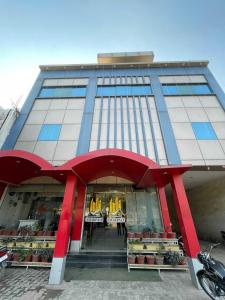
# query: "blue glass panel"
x,y
203,131
186,89
201,89
78,92
170,90
45,93
62,92
124,90
49,132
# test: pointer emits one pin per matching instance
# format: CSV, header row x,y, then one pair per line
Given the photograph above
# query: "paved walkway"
x,y
32,284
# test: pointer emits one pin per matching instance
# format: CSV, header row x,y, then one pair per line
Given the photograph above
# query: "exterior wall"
x,y
157,126
207,204
183,111
7,119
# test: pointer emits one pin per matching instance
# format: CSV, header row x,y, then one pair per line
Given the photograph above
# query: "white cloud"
x,y
16,84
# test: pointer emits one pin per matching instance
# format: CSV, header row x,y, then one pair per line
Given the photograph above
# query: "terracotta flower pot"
x,y
183,261
159,260
14,232
138,235
16,256
146,234
7,232
150,259
140,259
44,259
40,233
35,258
47,233
10,257
163,235
154,235
27,258
130,235
171,235
131,259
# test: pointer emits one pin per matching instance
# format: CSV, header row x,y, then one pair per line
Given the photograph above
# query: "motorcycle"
x,y
3,258
212,277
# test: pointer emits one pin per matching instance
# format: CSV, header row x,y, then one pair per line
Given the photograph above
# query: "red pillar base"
x,y
76,238
186,226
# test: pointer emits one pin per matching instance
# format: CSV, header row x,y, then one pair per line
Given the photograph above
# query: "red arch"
x,y
115,162
18,165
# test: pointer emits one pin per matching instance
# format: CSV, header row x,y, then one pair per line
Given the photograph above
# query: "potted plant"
x,y
47,233
35,256
171,235
14,232
130,235
163,235
28,256
44,255
16,256
172,258
154,233
146,233
182,260
138,235
140,259
159,258
150,259
131,259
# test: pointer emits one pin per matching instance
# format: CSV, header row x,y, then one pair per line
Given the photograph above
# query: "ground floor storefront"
x,y
75,213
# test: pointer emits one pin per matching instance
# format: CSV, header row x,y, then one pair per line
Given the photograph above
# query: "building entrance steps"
x,y
97,260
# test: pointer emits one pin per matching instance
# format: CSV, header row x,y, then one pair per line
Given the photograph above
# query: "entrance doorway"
x,y
105,219
112,210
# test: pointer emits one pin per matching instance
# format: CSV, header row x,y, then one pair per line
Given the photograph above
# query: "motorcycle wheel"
x,y
210,287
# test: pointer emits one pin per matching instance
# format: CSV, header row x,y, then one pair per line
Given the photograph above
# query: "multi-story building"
x,y
116,133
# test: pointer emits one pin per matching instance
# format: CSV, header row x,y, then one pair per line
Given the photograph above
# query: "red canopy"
x,y
17,166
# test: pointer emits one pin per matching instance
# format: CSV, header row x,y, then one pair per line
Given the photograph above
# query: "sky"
x,y
34,32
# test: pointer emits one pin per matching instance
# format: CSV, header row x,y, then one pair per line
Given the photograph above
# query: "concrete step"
x,y
97,260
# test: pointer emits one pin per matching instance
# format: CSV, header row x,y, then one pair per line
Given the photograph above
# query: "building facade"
x,y
114,134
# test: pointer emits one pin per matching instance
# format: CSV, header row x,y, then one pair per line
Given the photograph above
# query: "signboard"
x,y
94,219
116,220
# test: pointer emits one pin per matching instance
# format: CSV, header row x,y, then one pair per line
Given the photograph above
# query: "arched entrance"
x,y
78,172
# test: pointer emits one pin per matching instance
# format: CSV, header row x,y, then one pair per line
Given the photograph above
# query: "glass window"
x,y
203,131
186,89
49,132
125,90
62,92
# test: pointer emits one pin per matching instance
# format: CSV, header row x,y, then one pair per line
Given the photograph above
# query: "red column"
x,y
184,217
164,209
78,218
63,234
